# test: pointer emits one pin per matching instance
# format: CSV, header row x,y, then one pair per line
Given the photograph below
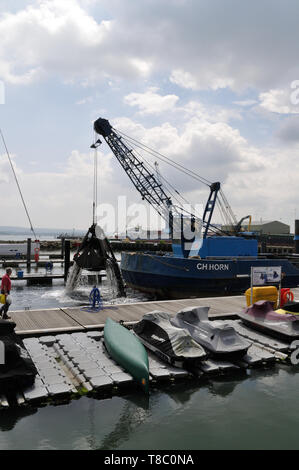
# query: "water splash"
x,y
111,280
73,278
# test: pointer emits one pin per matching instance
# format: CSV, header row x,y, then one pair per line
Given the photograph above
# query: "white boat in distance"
x,y
16,250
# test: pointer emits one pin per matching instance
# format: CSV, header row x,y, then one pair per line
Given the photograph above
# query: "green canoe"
x,y
127,351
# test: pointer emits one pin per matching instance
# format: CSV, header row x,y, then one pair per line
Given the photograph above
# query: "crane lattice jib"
x,y
144,181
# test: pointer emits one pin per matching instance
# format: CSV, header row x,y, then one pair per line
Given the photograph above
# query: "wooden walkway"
x,y
62,320
38,279
58,320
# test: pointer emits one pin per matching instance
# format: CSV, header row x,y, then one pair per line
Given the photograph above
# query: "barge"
x,y
174,277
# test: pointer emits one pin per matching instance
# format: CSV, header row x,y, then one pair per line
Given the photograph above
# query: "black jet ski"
x,y
17,371
279,323
173,345
219,339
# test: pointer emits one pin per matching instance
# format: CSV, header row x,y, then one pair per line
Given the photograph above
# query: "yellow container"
x,y
2,298
262,293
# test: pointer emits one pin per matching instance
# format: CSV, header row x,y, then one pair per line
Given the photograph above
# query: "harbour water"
x,y
257,410
44,297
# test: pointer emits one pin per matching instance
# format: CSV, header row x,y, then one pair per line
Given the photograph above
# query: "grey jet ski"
x,y
262,317
219,339
173,345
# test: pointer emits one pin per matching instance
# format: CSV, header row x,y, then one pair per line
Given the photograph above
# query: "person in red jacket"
x,y
5,289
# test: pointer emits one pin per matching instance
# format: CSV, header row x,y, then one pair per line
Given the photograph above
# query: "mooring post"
x,y
67,253
62,247
296,236
28,253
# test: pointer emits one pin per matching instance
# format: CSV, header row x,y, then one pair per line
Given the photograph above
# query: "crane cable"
x,y
16,179
95,185
226,207
167,160
212,227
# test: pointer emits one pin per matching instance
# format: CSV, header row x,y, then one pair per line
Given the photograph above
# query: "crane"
x,y
150,187
160,194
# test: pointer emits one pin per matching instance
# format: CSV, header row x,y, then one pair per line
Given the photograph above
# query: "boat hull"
x,y
15,250
173,277
128,352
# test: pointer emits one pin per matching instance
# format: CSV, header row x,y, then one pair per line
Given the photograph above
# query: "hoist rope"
x,y
230,215
167,160
95,185
223,205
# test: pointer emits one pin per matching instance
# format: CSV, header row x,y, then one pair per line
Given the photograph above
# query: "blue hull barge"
x,y
200,263
170,276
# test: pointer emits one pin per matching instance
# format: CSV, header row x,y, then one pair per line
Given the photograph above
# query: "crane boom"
x,y
144,181
148,184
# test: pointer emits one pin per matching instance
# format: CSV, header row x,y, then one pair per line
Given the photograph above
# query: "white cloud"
x,y
245,102
196,45
199,45
206,81
212,113
88,99
213,149
278,101
54,37
184,79
211,45
57,199
251,176
151,102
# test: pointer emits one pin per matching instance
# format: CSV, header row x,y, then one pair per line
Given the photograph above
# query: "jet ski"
x,y
289,307
219,339
173,345
262,317
17,371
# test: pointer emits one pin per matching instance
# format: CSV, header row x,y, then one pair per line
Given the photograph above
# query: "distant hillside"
x,y
6,229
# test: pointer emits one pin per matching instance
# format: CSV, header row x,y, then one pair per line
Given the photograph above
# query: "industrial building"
x,y
266,227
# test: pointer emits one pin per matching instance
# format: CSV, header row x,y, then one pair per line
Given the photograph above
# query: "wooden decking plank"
x,y
74,318
52,320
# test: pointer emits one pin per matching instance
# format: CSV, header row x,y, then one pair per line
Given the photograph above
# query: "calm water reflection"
x,y
255,411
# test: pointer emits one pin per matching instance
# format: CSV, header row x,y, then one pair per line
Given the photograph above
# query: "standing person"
x,y
5,289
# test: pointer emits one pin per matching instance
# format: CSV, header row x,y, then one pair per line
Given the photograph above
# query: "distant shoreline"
x,y
53,244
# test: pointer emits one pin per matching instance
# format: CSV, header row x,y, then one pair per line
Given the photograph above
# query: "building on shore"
x,y
264,227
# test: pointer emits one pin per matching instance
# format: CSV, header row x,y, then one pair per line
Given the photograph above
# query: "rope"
x,y
168,160
166,183
95,297
15,176
227,211
95,185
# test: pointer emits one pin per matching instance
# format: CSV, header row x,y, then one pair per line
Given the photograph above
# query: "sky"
x,y
211,84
